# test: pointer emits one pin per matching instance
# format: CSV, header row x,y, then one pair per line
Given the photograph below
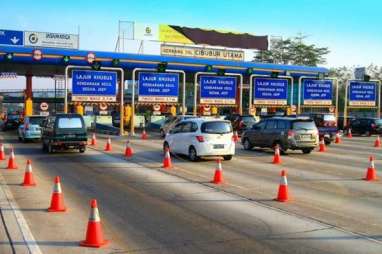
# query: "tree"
x,y
293,51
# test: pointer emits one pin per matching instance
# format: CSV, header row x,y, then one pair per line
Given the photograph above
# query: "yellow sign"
x,y
197,52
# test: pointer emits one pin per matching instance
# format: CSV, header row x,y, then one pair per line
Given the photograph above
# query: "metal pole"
x,y
379,98
346,102
241,89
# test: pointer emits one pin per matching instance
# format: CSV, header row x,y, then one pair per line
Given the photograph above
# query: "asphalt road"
x,y
145,209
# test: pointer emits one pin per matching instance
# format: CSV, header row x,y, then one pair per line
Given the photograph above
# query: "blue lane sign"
x,y
317,92
11,38
158,87
362,93
217,90
270,91
94,85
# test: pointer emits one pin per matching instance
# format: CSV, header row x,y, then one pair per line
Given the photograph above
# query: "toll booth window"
x,y
69,123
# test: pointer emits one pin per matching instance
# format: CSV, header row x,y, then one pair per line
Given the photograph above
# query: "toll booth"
x,y
317,95
271,94
217,93
362,98
50,62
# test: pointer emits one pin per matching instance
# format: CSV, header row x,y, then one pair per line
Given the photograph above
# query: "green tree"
x,y
293,51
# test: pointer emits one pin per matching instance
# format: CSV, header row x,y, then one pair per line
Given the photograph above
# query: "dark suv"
x,y
366,126
326,124
287,132
64,131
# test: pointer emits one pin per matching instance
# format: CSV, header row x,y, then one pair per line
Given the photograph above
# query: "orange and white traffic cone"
x,y
371,174
2,154
338,138
28,176
350,135
276,156
11,160
94,233
144,134
377,142
108,145
235,137
94,140
128,150
283,195
167,164
57,201
322,145
218,176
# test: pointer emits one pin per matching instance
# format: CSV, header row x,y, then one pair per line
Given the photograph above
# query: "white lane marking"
x,y
23,226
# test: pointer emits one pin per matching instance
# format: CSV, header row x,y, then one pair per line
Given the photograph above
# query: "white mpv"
x,y
198,137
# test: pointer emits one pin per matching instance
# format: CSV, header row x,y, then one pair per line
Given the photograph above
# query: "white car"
x,y
197,137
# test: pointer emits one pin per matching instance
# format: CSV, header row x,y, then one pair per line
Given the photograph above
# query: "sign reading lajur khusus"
x,y
362,93
270,91
217,90
317,92
94,85
158,87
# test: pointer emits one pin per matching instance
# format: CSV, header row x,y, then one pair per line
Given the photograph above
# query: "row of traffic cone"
x,y
94,234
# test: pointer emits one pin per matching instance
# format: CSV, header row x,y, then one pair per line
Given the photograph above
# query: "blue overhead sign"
x,y
218,90
270,91
362,93
11,38
94,85
158,87
317,92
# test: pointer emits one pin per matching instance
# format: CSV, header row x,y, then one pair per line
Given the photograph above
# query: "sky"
x,y
352,29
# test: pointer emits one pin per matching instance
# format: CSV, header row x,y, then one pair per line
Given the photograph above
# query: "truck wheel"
x,y
307,150
82,149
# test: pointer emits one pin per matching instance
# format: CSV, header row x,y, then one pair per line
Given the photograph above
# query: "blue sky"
x,y
352,29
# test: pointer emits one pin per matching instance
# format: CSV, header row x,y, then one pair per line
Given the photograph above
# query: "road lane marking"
x,y
21,222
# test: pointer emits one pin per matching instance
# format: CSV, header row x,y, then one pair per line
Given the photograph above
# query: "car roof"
x,y
202,120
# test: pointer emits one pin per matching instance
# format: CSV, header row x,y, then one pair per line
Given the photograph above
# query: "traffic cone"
x,y
322,145
282,195
94,140
218,177
28,176
144,134
57,201
276,156
2,154
167,159
235,137
94,233
128,150
11,160
371,174
108,145
349,133
377,142
338,138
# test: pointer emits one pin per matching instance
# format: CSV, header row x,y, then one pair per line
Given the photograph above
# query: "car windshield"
x,y
69,123
216,127
329,118
304,125
36,120
13,117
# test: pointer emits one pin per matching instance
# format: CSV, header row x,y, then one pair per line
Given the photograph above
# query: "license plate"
x,y
305,137
219,146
